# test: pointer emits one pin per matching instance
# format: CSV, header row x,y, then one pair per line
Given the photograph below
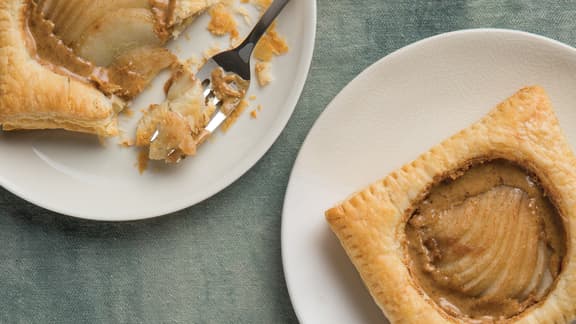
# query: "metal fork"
x,y
234,64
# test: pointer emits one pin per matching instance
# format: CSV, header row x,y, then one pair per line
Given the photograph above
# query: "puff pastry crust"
x,y
33,96
371,223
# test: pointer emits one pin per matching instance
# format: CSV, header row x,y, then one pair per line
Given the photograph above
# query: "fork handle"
x,y
245,49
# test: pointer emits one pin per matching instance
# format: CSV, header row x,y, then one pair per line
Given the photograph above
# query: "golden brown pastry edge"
x,y
33,96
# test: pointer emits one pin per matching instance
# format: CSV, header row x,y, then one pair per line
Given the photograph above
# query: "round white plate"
x,y
78,176
396,109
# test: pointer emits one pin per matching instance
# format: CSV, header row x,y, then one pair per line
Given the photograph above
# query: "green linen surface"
x,y
220,261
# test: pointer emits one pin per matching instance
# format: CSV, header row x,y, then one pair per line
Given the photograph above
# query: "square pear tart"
x,y
479,229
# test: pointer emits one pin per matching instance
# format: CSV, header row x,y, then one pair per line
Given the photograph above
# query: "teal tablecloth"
x,y
220,261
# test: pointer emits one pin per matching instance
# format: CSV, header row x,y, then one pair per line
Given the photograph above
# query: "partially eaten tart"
x,y
481,228
73,64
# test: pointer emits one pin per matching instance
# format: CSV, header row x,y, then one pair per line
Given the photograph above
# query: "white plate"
x,y
392,112
75,175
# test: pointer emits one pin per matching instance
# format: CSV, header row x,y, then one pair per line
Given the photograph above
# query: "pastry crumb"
x,y
271,44
245,14
222,22
259,108
254,114
263,73
252,97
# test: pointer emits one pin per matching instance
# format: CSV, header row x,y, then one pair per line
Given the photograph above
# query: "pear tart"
x,y
73,64
481,228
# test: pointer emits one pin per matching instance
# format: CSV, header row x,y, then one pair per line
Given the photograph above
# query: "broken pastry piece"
x,y
480,229
74,64
174,129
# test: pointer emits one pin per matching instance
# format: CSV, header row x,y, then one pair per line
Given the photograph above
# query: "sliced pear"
x,y
117,33
81,14
55,8
64,10
47,7
86,13
134,70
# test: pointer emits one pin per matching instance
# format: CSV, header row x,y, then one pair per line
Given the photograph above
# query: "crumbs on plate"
x,y
223,23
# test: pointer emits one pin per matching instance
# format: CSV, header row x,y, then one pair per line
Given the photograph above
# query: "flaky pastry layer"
x,y
32,96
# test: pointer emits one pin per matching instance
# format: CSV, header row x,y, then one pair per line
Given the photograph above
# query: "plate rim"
x,y
289,281
235,173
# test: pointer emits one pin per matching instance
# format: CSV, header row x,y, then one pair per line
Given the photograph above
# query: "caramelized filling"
x,y
486,243
126,77
228,87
